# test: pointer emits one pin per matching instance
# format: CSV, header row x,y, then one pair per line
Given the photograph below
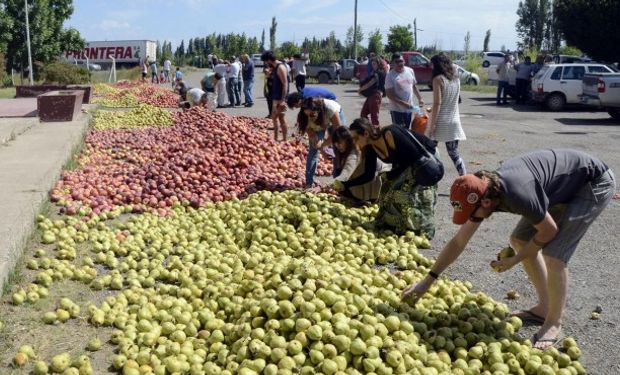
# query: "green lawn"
x,y
7,93
480,88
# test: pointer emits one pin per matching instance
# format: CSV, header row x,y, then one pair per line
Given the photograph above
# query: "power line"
x,y
392,10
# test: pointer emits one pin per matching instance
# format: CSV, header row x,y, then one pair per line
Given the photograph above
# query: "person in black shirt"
x,y
404,204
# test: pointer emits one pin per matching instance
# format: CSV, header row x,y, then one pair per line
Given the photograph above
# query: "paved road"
x,y
496,134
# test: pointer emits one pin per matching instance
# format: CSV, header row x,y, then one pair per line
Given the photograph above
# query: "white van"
x,y
256,59
556,85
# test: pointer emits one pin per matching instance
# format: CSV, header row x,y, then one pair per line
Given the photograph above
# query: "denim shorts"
x,y
573,218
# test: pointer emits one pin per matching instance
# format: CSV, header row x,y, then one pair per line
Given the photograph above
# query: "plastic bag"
x,y
419,121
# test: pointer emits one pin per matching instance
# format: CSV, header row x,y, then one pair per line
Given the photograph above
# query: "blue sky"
x,y
443,22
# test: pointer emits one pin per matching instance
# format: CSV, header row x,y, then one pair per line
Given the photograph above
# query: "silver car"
x,y
468,77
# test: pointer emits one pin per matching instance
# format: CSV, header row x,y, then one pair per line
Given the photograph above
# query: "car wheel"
x,y
614,113
486,64
555,102
323,77
471,81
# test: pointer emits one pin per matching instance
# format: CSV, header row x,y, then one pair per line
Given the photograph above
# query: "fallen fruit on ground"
x,y
204,157
142,116
276,283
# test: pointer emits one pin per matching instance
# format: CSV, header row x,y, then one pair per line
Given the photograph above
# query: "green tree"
x,y
534,23
272,34
358,40
487,40
47,35
288,49
71,40
375,42
591,26
262,42
400,38
467,44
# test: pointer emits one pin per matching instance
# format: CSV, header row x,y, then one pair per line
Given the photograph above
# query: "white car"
x,y
556,85
468,77
256,60
492,58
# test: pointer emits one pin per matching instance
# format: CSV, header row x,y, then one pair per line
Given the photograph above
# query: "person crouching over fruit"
x,y
356,170
197,97
558,193
405,204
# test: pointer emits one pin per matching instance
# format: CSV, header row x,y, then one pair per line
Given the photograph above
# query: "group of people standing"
x,y
232,78
164,76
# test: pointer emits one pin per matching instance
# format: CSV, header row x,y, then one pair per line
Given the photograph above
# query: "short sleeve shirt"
x,y
167,65
534,182
402,83
331,108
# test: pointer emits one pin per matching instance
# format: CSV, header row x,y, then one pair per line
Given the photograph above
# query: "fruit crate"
x,y
61,105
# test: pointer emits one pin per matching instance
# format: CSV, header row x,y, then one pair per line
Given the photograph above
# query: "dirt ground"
x,y
494,134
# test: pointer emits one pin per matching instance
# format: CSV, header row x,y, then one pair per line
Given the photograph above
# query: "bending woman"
x,y
403,204
356,172
317,115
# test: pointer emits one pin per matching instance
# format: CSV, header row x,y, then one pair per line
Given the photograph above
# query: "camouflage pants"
x,y
405,206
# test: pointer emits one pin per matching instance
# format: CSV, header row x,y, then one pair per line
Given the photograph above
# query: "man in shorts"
x,y
558,193
279,92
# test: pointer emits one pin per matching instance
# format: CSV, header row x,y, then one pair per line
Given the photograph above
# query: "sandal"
x,y
549,342
527,316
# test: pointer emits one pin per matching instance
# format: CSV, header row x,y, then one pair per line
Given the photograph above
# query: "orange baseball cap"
x,y
465,196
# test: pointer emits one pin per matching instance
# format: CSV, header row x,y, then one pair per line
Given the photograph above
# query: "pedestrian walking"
x,y
446,121
400,87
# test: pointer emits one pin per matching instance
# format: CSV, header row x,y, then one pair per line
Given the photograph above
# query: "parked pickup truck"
x,y
602,90
420,64
326,71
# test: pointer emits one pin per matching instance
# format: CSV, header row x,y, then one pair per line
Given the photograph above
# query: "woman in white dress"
x,y
446,122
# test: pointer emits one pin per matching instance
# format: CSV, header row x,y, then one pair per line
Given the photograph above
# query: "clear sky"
x,y
444,22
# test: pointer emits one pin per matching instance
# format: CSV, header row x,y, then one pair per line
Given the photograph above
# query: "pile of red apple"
x,y
205,156
156,96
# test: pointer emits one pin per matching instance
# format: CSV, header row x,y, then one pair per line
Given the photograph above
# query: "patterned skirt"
x,y
406,206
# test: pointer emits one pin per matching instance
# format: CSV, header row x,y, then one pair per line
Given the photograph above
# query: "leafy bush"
x,y
64,74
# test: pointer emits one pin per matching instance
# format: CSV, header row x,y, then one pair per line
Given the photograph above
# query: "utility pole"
x,y
28,45
415,33
355,32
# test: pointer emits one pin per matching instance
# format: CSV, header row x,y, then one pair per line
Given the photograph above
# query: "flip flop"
x,y
527,316
551,342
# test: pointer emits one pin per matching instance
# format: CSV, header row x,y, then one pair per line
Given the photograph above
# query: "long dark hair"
x,y
442,65
361,125
341,134
313,104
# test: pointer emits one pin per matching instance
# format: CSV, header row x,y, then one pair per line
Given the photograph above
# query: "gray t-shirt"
x,y
535,181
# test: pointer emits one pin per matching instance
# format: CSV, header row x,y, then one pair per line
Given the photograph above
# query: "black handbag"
x,y
370,90
428,170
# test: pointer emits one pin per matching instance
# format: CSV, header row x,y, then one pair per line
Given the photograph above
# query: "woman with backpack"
x,y
408,195
373,88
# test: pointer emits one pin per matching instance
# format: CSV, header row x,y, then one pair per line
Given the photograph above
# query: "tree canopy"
x,y
591,26
400,38
48,37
